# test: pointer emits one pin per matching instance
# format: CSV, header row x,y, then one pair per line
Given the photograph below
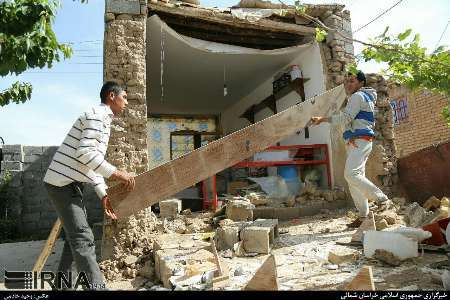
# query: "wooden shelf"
x,y
271,100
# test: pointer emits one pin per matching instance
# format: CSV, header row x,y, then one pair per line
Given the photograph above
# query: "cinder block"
x,y
13,156
256,239
32,158
286,213
28,175
310,210
29,227
123,7
12,149
12,166
49,151
15,181
34,167
31,217
240,210
226,237
169,208
30,150
263,213
268,223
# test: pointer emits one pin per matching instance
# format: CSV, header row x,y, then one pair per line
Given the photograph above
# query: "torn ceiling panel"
x,y
195,71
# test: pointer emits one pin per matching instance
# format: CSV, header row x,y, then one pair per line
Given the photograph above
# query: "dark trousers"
x,y
79,243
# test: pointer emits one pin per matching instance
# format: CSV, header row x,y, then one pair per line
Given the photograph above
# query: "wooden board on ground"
x,y
265,278
367,224
48,247
363,281
219,271
176,175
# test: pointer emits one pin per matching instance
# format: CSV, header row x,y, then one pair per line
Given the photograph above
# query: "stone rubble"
x,y
134,243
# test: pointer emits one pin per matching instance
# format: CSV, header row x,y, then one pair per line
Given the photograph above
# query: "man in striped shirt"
x,y
359,121
81,159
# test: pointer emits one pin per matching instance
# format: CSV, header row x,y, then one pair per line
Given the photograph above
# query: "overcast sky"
x,y
72,86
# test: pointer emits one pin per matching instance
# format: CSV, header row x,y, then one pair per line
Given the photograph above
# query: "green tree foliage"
x,y
409,64
27,41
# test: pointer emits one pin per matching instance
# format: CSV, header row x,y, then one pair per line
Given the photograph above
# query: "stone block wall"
x,y
337,50
24,198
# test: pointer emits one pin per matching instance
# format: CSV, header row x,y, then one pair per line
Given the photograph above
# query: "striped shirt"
x,y
81,157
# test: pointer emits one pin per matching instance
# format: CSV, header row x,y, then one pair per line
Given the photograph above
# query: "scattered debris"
x,y
257,199
331,267
342,255
381,224
417,216
167,256
432,203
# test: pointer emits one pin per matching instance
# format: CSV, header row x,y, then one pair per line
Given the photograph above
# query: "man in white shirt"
x,y
81,159
359,121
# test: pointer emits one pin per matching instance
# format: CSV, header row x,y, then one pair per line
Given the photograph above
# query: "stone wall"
x,y
124,62
24,197
337,50
381,167
424,125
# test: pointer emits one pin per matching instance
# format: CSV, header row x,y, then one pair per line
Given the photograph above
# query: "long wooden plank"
x,y
363,281
176,175
216,259
47,250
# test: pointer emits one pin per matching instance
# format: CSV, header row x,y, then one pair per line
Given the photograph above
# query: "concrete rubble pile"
x,y
247,238
173,251
134,251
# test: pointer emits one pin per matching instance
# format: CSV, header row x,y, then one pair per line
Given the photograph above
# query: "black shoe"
x,y
356,223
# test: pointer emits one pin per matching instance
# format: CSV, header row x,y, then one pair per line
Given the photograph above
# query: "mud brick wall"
x,y
124,62
424,124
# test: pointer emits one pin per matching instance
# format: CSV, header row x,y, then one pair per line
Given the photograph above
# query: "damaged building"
x,y
276,220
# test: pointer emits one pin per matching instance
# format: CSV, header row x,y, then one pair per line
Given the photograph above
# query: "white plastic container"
x,y
396,243
279,155
414,233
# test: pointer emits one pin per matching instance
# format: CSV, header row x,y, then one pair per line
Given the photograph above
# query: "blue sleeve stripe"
x,y
368,97
365,115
